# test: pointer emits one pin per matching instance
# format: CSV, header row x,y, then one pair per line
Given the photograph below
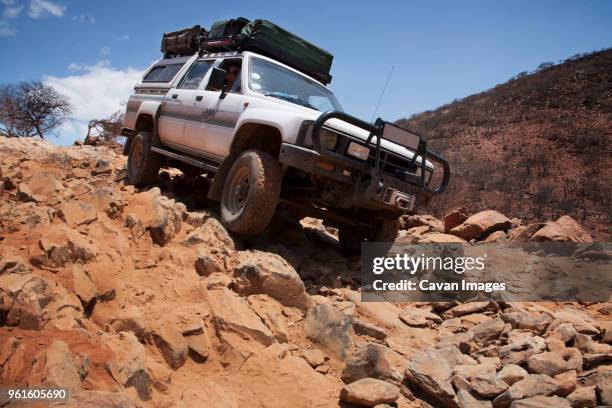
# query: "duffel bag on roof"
x,y
267,38
182,42
227,29
271,40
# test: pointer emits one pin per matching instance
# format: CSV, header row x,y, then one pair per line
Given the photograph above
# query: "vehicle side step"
x,y
186,158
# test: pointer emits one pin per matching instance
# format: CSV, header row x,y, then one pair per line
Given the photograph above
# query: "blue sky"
x,y
441,50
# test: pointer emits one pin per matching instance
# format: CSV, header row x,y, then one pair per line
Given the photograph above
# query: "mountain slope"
x,y
536,146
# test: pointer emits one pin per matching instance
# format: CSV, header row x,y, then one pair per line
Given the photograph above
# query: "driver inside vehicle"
x,y
232,78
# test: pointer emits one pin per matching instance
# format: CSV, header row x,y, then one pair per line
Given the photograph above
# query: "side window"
x,y
162,73
195,75
233,81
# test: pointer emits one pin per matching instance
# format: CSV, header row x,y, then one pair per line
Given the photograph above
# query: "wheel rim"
x,y
239,189
137,158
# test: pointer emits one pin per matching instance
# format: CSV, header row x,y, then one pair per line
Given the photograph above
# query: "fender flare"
x,y
216,189
148,108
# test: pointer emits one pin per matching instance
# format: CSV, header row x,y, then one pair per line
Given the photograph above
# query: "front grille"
x,y
392,164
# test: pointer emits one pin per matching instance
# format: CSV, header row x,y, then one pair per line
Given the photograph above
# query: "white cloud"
x,y
44,8
6,29
124,38
12,12
94,92
7,2
83,18
105,50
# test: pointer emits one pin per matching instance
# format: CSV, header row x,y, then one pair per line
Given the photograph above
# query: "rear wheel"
x,y
351,237
143,164
251,193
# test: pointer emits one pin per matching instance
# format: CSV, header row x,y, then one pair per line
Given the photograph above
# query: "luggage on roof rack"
x,y
182,42
268,39
226,29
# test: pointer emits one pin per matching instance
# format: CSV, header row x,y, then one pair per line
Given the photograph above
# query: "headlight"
x,y
328,139
358,151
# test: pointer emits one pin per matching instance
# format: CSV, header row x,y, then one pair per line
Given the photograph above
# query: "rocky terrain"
x,y
140,298
543,139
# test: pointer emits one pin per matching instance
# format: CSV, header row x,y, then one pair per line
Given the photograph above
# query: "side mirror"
x,y
216,82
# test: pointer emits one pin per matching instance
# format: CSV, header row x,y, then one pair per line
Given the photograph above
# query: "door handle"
x,y
174,96
199,97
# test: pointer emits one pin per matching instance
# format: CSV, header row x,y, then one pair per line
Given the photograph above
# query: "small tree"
x,y
107,129
545,65
30,109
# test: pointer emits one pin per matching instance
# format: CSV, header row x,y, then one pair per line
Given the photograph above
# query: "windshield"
x,y
275,81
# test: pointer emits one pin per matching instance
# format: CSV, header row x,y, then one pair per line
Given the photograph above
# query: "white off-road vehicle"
x,y
267,133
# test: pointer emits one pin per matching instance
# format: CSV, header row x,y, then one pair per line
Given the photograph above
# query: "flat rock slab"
x,y
369,392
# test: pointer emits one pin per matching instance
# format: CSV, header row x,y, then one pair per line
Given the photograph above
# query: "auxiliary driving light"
x,y
358,151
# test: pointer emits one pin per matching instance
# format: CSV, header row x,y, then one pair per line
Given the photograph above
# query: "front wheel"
x,y
251,193
350,237
143,164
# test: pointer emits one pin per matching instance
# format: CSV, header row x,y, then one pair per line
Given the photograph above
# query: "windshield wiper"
x,y
288,98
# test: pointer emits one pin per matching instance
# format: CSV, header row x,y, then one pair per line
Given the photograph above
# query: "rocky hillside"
x,y
142,299
537,146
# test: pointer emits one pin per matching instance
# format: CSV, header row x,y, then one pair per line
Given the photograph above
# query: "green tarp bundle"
x,y
271,40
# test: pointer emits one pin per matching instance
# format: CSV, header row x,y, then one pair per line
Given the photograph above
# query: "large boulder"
x,y
431,371
551,364
170,341
488,330
236,324
455,217
330,328
271,313
582,322
536,322
411,221
369,360
61,246
541,402
464,396
56,367
584,397
565,229
369,392
419,317
517,352
83,286
262,272
512,373
127,364
30,301
481,224
166,220
534,385
523,233
76,213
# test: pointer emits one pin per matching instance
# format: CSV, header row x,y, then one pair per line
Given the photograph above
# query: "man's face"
x,y
232,73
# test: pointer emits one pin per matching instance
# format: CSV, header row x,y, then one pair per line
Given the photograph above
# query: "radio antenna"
x,y
382,93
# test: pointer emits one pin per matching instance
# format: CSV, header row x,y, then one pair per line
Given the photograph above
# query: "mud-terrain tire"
x,y
143,164
350,237
251,193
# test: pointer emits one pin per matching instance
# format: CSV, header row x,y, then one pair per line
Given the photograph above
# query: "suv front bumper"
x,y
371,188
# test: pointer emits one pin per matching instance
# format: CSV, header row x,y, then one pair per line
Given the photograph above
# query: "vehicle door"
x,y
221,110
183,107
170,129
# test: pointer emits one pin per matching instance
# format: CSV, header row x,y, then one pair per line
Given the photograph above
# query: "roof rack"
x,y
261,36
